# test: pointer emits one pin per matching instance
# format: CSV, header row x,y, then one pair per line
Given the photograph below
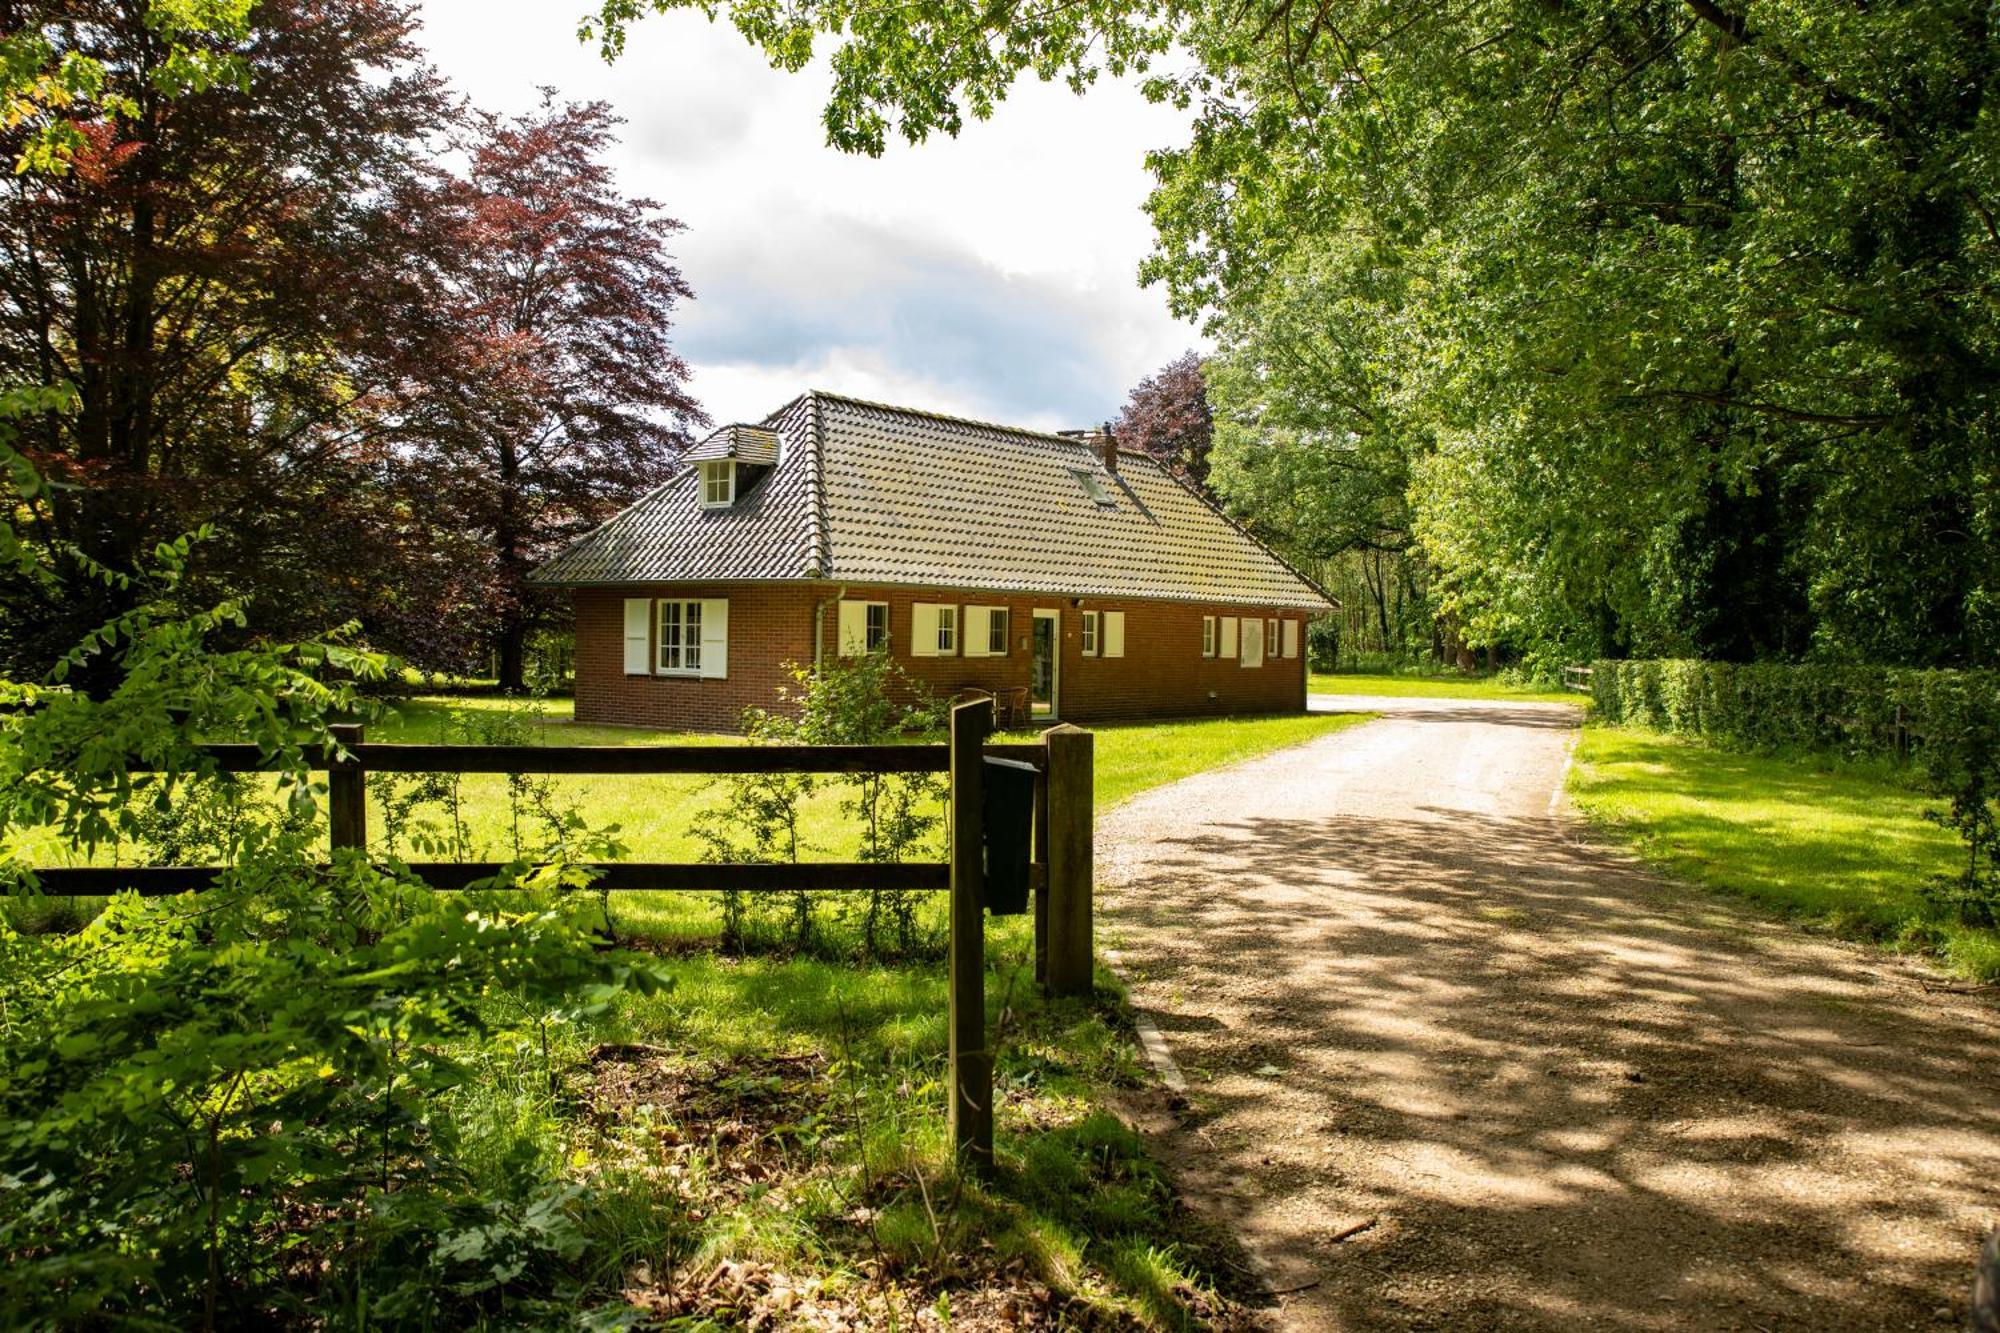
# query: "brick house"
x,y
1072,579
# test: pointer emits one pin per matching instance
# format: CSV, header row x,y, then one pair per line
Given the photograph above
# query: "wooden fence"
x,y
1577,678
1058,864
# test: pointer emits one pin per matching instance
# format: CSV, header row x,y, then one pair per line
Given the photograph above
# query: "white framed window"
x,y
1114,634
933,630
985,631
680,639
693,637
1208,636
1226,645
718,483
1090,633
1252,654
864,628
1271,636
1291,637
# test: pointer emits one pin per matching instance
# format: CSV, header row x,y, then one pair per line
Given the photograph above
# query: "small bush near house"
x,y
864,700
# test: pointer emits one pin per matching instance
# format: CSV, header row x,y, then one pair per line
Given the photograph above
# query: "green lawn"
x,y
654,813
826,1074
1839,846
1454,686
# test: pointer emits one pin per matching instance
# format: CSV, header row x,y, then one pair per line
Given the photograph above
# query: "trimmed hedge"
x,y
1854,710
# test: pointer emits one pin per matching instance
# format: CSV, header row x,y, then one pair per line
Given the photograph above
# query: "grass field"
x,y
781,1117
1453,686
1836,846
655,812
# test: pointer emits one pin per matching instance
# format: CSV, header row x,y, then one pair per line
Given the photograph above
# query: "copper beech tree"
x,y
552,395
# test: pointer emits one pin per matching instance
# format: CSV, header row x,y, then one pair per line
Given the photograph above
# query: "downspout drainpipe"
x,y
819,625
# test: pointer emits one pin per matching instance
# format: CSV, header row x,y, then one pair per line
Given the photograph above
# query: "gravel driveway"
x,y
1452,1067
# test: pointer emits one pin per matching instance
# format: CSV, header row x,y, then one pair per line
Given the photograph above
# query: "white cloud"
x,y
992,274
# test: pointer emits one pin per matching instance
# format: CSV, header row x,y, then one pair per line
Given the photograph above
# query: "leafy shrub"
x,y
863,700
1946,721
236,1107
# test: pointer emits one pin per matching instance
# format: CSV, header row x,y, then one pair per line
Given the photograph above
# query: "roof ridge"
x,y
1054,437
819,543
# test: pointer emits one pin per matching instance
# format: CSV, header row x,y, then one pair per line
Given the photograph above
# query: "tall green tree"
x,y
1691,343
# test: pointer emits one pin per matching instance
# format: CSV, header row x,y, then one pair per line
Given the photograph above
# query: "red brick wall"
x,y
1162,673
769,625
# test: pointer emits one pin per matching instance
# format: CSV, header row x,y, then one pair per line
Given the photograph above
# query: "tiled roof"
x,y
668,537
747,444
868,493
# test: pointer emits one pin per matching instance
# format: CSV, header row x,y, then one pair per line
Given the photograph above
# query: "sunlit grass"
x,y
1450,686
1839,846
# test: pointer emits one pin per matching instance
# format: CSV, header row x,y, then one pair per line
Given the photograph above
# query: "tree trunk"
x,y
512,645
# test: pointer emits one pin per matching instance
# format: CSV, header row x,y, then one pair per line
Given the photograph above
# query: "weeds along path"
x,y
1452,1067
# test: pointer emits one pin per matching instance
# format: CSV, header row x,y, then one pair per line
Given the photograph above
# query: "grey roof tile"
x,y
869,493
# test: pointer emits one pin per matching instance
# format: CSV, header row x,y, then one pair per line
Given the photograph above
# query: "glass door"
x,y
1044,675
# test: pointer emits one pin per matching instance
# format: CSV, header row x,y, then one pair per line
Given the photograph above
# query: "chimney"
x,y
1107,448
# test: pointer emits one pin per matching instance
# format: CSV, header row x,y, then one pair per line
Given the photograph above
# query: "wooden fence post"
x,y
970,1057
1070,860
346,794
1040,860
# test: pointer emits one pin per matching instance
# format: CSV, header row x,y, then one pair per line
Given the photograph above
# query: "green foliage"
x,y
236,1105
863,700
1949,720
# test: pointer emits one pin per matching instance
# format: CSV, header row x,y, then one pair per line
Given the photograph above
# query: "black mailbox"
x,y
1008,792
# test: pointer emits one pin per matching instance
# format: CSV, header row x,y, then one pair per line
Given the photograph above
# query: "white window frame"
x,y
999,624
933,629
673,612
1226,646
1112,628
713,470
1271,639
1252,652
857,637
1087,634
981,624
1208,636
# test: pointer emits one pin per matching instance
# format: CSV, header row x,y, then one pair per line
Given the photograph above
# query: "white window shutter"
x,y
1291,633
715,637
1228,647
923,629
853,629
976,630
638,636
1114,634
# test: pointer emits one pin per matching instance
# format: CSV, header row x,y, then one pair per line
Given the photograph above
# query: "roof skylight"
x,y
1093,486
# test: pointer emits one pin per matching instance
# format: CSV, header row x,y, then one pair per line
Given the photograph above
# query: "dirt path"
x,y
1571,1096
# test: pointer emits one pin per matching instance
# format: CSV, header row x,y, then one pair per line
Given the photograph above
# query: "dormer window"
x,y
718,483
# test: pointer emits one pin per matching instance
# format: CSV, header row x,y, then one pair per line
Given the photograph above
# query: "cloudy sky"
x,y
991,275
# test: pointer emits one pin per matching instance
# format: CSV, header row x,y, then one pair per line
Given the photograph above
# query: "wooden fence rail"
x,y
1578,678
1059,868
